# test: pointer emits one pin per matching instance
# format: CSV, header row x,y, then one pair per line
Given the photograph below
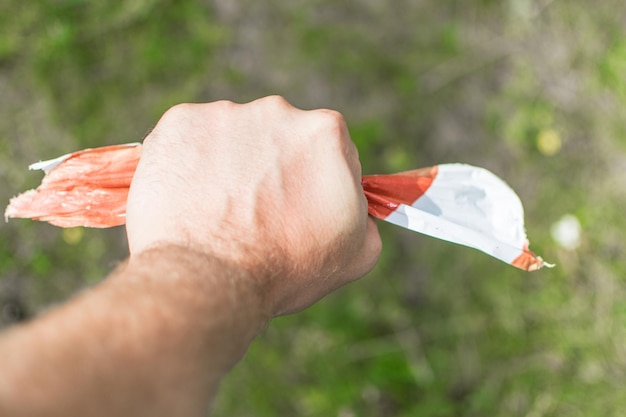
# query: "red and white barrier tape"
x,y
459,203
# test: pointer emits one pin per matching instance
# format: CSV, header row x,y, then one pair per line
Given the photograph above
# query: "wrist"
x,y
210,294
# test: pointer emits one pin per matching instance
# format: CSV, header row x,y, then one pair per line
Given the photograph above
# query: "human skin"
x,y
237,213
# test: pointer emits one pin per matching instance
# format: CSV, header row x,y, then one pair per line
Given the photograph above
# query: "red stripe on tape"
x,y
386,192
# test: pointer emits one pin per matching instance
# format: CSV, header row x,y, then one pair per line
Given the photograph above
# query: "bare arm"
x,y
236,214
152,340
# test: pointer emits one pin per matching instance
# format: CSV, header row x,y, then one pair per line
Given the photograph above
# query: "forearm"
x,y
286,203
153,339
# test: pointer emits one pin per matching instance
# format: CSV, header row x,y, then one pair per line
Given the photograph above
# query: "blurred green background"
x,y
534,90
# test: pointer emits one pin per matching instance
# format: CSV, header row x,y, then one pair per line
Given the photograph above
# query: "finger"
x,y
373,245
368,256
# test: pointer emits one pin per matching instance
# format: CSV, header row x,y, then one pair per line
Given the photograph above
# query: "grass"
x,y
533,90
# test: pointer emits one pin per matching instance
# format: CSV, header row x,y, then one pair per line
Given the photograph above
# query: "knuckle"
x,y
176,115
185,111
332,121
275,101
219,112
177,110
222,105
332,129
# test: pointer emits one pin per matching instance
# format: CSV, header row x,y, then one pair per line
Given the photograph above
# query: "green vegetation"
x,y
534,90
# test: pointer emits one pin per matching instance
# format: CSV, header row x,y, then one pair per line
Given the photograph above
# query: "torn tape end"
x,y
49,165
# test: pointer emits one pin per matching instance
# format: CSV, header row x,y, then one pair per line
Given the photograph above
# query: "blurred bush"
x,y
532,89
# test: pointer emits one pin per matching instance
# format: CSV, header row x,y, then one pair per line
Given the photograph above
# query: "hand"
x,y
271,188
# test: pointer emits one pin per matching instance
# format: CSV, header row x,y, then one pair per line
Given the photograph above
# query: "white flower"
x,y
566,232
